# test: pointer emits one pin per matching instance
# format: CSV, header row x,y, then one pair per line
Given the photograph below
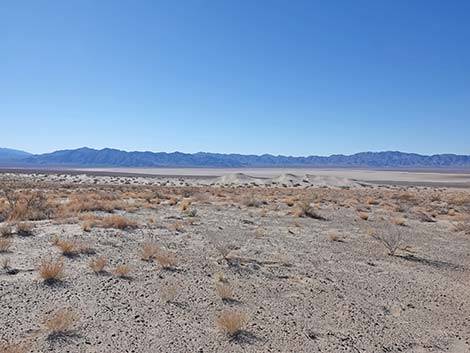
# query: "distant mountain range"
x,y
88,157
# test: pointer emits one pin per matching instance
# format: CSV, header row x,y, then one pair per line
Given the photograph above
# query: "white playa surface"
x,y
367,175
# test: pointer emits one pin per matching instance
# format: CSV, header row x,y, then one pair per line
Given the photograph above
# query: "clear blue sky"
x,y
248,76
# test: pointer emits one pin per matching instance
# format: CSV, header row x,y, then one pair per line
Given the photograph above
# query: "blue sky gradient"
x,y
274,76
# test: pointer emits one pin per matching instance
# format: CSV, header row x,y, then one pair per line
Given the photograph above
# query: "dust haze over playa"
x,y
261,176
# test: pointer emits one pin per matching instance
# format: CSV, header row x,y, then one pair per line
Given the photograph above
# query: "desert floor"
x,y
312,263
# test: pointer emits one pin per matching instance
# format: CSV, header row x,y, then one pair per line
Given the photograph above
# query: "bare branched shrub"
x,y
98,264
5,244
392,240
224,249
61,323
232,322
149,251
50,270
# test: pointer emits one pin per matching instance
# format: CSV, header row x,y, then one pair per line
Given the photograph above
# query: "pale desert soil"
x,y
306,284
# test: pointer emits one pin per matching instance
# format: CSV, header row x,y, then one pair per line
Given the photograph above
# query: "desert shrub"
x,y
14,347
50,270
61,323
399,222
6,230
333,236
27,206
463,227
224,290
392,240
363,216
5,263
166,259
118,222
24,229
372,202
149,251
176,227
220,277
98,264
252,201
304,209
191,212
72,247
232,321
105,202
184,205
5,244
122,271
224,249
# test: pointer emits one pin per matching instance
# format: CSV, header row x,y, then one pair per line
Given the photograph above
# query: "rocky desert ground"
x,y
290,263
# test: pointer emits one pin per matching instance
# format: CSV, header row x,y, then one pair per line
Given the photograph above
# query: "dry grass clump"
x,y
98,264
290,201
304,209
172,201
176,227
72,247
61,323
118,222
252,201
232,322
24,229
51,271
6,230
333,236
166,259
184,206
224,291
149,251
363,216
372,202
122,271
463,227
5,263
399,222
5,244
14,347
220,277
